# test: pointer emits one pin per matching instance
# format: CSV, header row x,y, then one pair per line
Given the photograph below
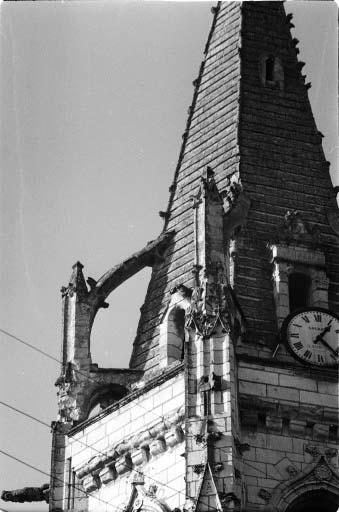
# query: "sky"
x,y
93,103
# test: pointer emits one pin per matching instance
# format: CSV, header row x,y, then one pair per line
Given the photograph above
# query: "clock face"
x,y
313,336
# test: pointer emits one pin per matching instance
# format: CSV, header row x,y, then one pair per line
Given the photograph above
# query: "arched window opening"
x,y
270,69
315,501
299,287
176,334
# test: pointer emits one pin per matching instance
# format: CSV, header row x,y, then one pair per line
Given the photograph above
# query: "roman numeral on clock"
x,y
294,335
306,319
308,354
317,317
298,345
320,358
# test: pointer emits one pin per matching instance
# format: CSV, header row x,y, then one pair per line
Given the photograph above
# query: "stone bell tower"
x,y
231,400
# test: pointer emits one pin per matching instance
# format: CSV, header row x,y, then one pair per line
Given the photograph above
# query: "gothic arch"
x,y
320,477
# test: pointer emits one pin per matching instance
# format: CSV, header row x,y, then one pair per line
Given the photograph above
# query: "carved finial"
x,y
215,9
76,283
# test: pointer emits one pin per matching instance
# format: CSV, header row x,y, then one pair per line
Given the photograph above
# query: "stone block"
x,y
307,397
252,388
90,483
281,443
298,445
138,456
248,374
274,424
106,475
268,456
297,427
283,393
157,446
298,382
123,464
330,388
256,469
320,432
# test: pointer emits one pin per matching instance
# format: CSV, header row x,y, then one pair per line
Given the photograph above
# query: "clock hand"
x,y
327,345
320,335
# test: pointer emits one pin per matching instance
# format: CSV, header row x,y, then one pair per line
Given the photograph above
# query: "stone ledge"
x,y
133,452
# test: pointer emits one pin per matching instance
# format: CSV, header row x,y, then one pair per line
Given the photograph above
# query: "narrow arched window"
x,y
176,334
270,69
299,288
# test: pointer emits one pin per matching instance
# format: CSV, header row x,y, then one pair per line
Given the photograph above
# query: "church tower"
x,y
231,398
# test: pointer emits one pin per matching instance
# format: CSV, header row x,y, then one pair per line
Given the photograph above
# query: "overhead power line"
x,y
94,449
80,372
31,466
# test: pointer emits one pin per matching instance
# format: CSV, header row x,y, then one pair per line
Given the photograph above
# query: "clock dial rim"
x,y
288,342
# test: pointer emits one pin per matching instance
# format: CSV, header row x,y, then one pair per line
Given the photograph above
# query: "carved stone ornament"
x,y
189,506
142,499
312,450
330,453
205,324
27,494
292,471
322,472
295,229
218,466
230,501
198,468
265,495
241,447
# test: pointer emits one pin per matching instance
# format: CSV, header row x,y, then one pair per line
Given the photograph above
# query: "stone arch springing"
x,y
104,396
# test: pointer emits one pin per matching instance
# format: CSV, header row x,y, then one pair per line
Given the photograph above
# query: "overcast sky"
x,y
94,99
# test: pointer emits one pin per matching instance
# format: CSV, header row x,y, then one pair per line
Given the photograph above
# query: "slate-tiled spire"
x,y
254,127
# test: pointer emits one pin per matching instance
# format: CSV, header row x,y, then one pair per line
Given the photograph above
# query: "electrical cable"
x,y
31,466
29,345
99,452
46,354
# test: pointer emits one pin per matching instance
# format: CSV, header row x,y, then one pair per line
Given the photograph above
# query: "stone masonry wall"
x,y
142,437
289,421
